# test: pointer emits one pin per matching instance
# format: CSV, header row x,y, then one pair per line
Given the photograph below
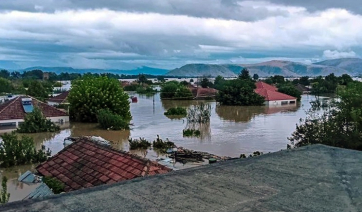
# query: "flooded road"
x,y
233,130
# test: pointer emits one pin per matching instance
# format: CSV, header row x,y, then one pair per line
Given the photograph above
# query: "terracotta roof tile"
x,y
85,164
270,92
13,109
60,98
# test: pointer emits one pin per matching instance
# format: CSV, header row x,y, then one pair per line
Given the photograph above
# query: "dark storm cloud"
x,y
224,9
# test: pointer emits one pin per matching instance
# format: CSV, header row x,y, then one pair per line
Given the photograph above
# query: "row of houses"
x,y
14,110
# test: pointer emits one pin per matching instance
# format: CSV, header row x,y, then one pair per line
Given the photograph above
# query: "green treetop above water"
x,y
90,94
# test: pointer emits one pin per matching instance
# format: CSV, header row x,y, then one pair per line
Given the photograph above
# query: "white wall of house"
x,y
14,123
59,118
281,102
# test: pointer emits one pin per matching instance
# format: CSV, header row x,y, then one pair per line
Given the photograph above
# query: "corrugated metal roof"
x,y
41,191
27,177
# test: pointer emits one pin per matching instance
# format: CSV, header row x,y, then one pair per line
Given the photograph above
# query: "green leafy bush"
x,y
14,151
109,120
176,111
139,144
54,184
4,195
191,133
131,87
145,90
161,145
175,90
90,94
36,122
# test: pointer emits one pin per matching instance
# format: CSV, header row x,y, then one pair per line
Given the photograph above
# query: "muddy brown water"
x,y
232,130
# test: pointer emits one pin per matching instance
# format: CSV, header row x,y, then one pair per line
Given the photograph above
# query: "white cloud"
x,y
97,36
334,54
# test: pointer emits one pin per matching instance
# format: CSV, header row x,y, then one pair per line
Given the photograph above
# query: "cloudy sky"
x,y
170,33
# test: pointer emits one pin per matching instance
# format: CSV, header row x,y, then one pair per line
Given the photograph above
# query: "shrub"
x,y
161,145
145,90
54,184
109,120
4,195
176,111
175,90
199,113
191,132
139,144
131,87
14,151
36,122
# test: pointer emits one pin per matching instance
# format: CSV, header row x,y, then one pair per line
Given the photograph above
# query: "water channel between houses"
x,y
232,130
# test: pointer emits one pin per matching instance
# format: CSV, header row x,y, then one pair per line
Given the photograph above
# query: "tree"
x,y
175,90
304,81
5,74
5,86
14,151
244,75
345,79
36,122
90,94
142,79
239,92
277,79
4,195
340,124
290,90
37,90
219,82
205,82
255,76
161,79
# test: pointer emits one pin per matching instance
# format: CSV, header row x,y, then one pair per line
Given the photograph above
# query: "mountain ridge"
x,y
351,66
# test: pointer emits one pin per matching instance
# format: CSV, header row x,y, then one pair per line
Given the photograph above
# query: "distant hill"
x,y
351,66
140,70
206,70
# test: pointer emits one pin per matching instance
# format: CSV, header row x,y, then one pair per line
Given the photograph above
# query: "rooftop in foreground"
x,y
314,178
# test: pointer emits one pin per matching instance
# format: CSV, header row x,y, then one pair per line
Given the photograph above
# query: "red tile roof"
x,y
202,92
260,85
60,98
273,95
86,163
13,109
270,92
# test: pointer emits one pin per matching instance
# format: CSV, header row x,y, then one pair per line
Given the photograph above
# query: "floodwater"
x,y
233,130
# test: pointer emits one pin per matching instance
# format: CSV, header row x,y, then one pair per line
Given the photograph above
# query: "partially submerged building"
x,y
59,99
13,112
272,96
87,163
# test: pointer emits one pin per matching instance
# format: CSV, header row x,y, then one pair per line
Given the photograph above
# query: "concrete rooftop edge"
x,y
281,162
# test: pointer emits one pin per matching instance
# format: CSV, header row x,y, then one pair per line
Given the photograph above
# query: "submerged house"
x,y
13,112
202,93
59,99
272,96
87,163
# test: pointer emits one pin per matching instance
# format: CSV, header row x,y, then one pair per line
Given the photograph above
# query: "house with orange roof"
x,y
13,112
272,96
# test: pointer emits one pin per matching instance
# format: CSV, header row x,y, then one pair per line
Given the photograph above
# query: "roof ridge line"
x,y
45,103
14,100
